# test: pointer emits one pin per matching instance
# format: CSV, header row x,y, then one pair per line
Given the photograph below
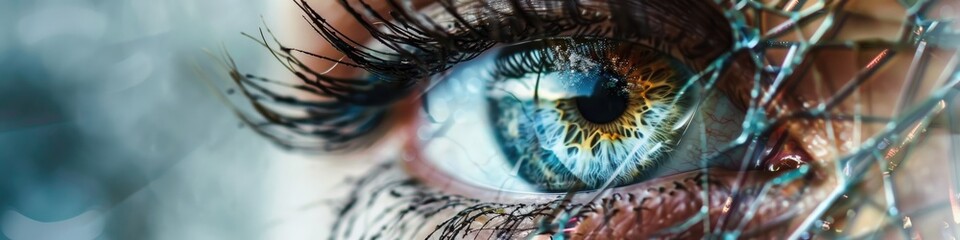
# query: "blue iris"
x,y
572,113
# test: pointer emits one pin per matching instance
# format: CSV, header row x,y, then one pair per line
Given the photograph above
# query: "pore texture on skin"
x,y
873,109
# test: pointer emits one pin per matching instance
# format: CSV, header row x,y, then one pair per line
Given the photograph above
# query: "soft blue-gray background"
x,y
108,131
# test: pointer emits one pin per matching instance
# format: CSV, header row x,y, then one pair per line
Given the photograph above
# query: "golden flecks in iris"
x,y
650,82
558,148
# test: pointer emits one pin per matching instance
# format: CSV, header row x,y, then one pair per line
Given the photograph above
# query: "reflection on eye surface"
x,y
593,106
634,119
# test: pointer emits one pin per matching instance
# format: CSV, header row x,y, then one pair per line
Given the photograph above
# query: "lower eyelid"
x,y
416,166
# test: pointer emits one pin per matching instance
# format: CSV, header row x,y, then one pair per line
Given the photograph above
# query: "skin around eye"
x,y
827,141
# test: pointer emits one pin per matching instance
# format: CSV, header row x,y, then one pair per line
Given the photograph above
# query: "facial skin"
x,y
921,180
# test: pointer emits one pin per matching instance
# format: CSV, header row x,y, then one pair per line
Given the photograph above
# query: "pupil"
x,y
606,102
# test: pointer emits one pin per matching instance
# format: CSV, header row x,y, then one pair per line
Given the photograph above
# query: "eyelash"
x,y
412,203
351,102
361,105
352,112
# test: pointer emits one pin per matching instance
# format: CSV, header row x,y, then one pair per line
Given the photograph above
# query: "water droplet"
x,y
726,205
424,133
825,225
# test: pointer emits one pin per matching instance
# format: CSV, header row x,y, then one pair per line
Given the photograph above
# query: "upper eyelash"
x,y
414,47
344,63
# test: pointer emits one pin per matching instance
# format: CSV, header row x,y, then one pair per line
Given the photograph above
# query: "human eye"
x,y
592,119
571,113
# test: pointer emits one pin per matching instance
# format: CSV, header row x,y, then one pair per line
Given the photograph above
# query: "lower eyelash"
x,y
387,203
403,208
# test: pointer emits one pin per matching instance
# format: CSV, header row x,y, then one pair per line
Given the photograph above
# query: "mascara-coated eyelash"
x,y
347,113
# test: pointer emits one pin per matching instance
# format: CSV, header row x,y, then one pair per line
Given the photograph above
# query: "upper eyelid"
x,y
693,40
414,51
688,25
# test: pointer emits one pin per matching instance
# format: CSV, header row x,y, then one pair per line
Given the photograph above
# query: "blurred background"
x,y
108,130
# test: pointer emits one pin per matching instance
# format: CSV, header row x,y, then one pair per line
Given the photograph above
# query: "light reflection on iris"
x,y
566,113
585,110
